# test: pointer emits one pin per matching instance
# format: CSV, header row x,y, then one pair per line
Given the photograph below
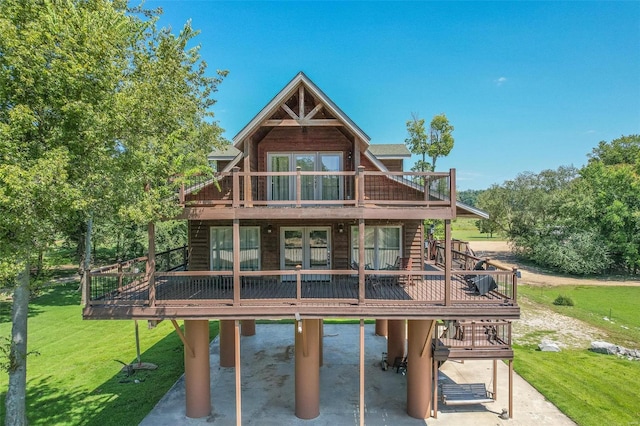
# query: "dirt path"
x,y
500,251
538,323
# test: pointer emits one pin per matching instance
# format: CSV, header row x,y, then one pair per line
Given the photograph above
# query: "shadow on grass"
x,y
123,399
55,295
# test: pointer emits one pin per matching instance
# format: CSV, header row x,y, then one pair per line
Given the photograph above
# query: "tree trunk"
x,y
15,402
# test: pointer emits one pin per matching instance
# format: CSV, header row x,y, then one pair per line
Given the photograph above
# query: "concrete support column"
x,y
397,335
307,369
419,373
196,368
227,343
321,343
381,327
248,327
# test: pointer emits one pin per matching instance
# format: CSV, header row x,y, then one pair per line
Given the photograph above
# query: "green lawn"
x,y
592,389
466,230
620,305
75,379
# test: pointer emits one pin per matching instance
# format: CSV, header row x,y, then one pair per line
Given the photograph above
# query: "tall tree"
x,y
438,142
417,142
96,104
441,140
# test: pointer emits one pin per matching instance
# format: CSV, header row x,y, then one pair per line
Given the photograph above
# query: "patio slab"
x,y
267,372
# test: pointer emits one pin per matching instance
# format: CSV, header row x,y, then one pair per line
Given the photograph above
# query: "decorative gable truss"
x,y
302,109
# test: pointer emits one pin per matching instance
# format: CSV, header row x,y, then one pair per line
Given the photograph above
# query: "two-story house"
x,y
305,219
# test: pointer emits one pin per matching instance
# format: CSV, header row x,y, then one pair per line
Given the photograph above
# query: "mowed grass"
x,y
75,378
592,389
466,230
615,309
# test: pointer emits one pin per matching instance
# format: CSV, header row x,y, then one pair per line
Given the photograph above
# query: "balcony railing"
x,y
470,335
298,287
304,189
481,272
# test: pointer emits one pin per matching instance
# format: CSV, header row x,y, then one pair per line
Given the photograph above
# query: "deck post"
x,y
248,184
381,327
321,343
236,187
298,186
236,336
361,265
227,343
510,388
419,378
307,370
447,262
236,262
396,339
362,388
452,191
196,369
151,264
515,285
249,327
298,284
360,186
495,379
435,382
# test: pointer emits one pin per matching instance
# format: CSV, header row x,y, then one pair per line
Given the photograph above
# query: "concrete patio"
x,y
268,387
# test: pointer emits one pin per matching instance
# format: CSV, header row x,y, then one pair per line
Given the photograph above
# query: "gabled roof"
x,y
284,94
389,150
228,152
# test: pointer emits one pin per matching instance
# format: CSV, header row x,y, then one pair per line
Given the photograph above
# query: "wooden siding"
x,y
199,236
199,244
312,139
393,165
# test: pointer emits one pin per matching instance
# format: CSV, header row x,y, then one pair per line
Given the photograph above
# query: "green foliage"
x,y
469,196
75,380
563,301
437,143
583,221
611,308
441,140
102,114
585,386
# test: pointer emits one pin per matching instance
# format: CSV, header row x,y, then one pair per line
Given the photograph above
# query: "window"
x,y
382,246
222,248
312,187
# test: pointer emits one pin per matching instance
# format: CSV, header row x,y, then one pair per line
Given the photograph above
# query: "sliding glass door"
x,y
312,187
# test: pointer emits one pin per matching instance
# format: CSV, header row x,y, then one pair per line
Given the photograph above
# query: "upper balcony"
x,y
308,194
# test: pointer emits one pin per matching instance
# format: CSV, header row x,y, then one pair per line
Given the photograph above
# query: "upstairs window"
x,y
312,187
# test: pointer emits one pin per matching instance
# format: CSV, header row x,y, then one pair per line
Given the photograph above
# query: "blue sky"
x,y
528,86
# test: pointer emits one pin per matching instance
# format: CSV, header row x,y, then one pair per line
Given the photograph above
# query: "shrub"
x,y
563,301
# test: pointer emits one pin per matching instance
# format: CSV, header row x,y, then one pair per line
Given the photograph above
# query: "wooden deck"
x,y
336,293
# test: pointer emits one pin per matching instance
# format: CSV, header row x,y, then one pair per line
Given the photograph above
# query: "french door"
x,y
309,247
311,187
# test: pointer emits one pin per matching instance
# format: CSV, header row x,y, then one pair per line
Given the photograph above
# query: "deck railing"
x,y
299,286
130,277
494,334
469,267
312,189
